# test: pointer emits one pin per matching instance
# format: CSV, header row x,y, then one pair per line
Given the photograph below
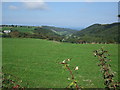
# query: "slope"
x,y
99,32
60,31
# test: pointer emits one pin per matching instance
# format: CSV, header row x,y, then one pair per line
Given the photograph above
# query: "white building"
x,y
6,31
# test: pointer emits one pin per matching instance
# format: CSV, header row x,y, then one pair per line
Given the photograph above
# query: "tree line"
x,y
100,34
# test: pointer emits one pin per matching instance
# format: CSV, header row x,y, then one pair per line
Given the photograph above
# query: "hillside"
x,y
99,33
28,29
60,31
45,32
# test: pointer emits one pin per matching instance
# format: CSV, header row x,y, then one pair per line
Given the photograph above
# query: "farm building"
x,y
6,31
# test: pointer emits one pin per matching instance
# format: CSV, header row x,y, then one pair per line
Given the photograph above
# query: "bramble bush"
x,y
105,69
74,82
108,74
11,81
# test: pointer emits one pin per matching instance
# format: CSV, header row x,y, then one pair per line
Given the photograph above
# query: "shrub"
x,y
73,83
106,69
11,81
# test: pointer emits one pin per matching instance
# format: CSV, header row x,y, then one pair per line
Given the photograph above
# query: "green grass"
x,y
36,61
21,29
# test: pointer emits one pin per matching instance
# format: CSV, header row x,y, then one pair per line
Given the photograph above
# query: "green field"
x,y
21,29
36,61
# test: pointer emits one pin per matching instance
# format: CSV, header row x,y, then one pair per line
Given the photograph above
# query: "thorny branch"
x,y
74,82
105,69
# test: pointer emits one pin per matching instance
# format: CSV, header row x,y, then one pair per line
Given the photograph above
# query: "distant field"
x,y
36,61
21,29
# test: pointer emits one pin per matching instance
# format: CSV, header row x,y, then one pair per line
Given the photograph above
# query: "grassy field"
x,y
21,29
36,61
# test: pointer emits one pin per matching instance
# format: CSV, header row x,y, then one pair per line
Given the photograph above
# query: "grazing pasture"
x,y
20,29
36,61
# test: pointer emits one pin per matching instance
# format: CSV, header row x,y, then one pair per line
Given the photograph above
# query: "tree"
x,y
15,34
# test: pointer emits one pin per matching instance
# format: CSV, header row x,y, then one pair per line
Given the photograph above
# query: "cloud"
x,y
37,5
13,7
40,5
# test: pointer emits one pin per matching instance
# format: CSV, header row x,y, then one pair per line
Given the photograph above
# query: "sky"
x,y
60,14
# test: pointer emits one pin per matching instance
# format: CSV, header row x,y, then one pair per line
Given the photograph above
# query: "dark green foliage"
x,y
31,32
60,31
100,33
28,29
46,34
15,34
6,35
11,81
97,33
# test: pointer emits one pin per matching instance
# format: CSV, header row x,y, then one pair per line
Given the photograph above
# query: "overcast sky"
x,y
61,14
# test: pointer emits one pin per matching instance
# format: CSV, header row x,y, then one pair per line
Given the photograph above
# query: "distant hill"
x,y
99,33
30,29
60,31
45,32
